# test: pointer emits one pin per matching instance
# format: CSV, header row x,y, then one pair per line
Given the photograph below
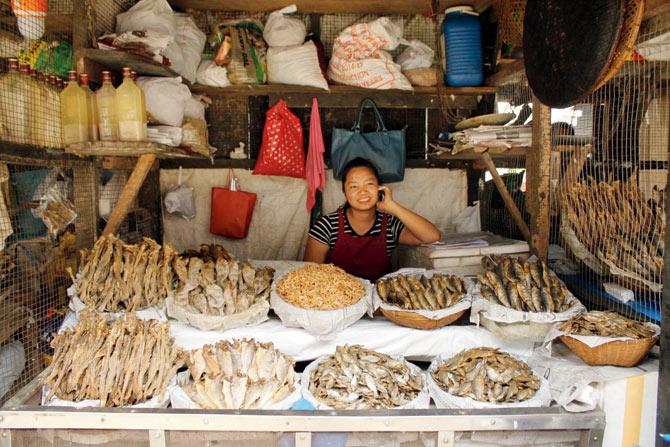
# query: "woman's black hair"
x,y
359,163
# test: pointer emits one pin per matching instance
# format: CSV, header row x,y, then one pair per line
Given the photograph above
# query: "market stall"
x,y
152,230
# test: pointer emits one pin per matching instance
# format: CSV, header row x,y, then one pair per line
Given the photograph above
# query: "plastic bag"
x,y
195,136
179,200
148,15
282,151
468,220
358,57
295,65
211,74
165,99
109,194
283,31
416,55
246,56
56,211
194,108
191,42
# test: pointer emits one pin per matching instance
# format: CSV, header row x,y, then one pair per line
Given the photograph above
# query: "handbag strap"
x,y
380,122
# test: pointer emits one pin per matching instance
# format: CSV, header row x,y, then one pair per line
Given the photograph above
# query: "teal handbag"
x,y
383,148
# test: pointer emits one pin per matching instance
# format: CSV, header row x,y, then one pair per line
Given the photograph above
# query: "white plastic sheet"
x,y
252,316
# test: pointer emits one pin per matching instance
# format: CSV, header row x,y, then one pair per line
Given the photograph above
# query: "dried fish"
x,y
487,375
606,324
110,362
523,285
420,292
243,374
358,378
322,287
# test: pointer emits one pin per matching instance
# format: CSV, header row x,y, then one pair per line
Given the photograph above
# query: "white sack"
x,y
211,74
323,324
282,31
191,41
194,109
421,401
464,304
295,65
253,316
165,99
148,15
416,55
443,399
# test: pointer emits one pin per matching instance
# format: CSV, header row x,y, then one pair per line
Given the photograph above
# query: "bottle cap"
x,y
126,72
13,64
72,75
24,68
106,76
83,79
33,73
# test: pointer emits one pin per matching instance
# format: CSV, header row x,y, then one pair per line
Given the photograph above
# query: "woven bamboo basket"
x,y
510,20
417,321
615,353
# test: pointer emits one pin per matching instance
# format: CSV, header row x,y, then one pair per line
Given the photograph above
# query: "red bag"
x,y
282,152
231,211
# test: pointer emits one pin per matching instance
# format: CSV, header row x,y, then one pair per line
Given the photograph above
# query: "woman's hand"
x,y
388,204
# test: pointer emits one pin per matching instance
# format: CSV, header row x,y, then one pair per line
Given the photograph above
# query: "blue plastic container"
x,y
463,43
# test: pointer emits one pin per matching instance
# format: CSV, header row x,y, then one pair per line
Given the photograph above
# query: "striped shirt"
x,y
325,230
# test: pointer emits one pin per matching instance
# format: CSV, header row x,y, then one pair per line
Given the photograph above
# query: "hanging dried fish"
x,y
123,363
409,292
487,375
523,285
239,375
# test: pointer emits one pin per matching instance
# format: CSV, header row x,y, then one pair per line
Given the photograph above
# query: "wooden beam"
x,y
506,73
129,193
538,170
507,197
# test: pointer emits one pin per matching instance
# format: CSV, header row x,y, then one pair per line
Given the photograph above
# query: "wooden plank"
x,y
129,193
28,392
508,72
36,156
538,167
124,149
516,152
507,197
116,60
85,191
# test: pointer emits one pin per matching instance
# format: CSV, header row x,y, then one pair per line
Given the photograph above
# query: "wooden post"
x,y
507,197
129,193
85,191
538,170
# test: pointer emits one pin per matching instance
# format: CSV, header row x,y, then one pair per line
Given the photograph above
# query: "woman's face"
x,y
361,188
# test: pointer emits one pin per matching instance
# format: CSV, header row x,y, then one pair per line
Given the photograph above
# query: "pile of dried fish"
x,y
606,324
220,287
322,286
208,252
487,375
409,292
114,275
616,224
123,363
356,378
56,211
239,375
525,286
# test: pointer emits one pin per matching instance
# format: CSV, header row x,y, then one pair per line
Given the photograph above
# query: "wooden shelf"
x,y
469,154
115,60
125,149
55,23
331,6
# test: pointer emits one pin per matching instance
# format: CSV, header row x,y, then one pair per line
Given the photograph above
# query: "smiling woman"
x,y
360,236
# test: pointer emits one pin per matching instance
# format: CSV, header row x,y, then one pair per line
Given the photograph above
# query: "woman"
x,y
360,236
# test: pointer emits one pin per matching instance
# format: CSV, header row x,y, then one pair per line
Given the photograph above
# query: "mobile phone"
x,y
380,195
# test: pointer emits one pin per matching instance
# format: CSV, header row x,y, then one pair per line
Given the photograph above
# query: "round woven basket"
x,y
510,20
416,321
615,353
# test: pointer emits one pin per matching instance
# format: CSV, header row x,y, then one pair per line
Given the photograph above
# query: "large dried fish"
x,y
487,375
438,292
606,324
357,378
523,285
122,363
243,374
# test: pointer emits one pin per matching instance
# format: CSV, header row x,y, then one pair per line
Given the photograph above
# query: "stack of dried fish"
x,y
525,286
606,324
409,292
208,252
123,363
487,375
615,223
114,276
240,375
356,378
221,287
322,286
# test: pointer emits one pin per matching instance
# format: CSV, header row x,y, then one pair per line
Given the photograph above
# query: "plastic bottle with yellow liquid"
x,y
92,108
39,118
74,111
108,124
131,113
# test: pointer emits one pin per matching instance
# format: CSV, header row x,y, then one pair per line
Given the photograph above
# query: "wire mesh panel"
x,y
609,177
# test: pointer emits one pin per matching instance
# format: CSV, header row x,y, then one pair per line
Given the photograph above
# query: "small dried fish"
x,y
606,324
420,292
487,375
